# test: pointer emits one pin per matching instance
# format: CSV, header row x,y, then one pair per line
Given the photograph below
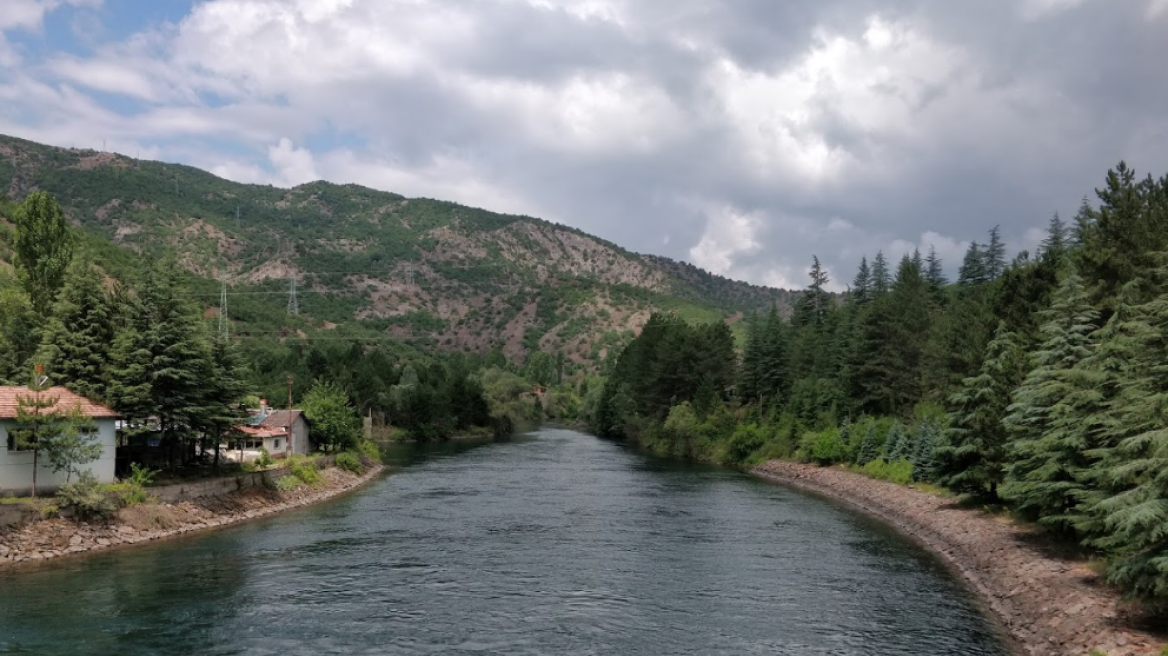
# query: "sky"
x,y
744,136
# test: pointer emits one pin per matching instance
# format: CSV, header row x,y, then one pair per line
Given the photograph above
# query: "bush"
x,y
287,483
306,472
899,472
823,448
265,460
86,498
350,462
370,451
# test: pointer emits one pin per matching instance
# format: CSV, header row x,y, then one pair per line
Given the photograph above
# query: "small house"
x,y
280,432
16,464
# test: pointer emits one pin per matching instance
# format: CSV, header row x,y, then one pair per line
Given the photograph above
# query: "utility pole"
x,y
237,217
291,451
223,325
293,303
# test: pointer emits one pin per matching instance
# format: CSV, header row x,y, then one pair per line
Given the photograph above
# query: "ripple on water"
x,y
560,544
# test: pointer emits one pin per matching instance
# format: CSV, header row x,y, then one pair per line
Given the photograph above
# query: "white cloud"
x,y
729,232
293,166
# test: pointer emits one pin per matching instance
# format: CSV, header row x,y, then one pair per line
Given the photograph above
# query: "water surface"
x,y
556,543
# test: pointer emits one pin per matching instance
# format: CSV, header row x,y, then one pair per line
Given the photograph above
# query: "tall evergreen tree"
x,y
935,273
862,284
75,345
1044,478
973,266
995,255
1057,241
881,277
974,454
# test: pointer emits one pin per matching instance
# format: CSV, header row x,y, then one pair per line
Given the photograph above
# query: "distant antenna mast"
x,y
293,303
224,330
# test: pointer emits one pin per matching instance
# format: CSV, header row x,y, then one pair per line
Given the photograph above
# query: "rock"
x,y
75,540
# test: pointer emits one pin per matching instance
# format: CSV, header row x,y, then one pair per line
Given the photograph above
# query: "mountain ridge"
x,y
430,272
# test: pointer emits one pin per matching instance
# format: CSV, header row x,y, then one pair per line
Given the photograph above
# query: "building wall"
x,y
16,466
300,439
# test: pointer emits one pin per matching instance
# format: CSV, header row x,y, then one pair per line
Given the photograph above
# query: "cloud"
x,y
744,136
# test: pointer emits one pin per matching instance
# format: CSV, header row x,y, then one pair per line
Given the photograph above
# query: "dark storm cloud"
x,y
745,135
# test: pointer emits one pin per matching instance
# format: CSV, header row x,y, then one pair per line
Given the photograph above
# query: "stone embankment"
x,y
1050,604
54,538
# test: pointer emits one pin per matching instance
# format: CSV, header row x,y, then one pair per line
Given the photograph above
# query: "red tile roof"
x,y
65,401
261,432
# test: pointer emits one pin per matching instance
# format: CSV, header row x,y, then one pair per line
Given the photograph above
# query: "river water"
x,y
554,543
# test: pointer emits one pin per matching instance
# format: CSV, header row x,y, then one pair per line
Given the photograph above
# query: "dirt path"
x,y
1050,604
56,538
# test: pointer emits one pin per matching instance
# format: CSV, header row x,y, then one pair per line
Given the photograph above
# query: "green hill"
x,y
432,273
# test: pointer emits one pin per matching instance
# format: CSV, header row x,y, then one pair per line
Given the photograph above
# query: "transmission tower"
x,y
224,331
293,304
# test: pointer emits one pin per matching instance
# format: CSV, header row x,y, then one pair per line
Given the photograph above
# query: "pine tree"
x,y
1044,476
897,444
935,274
75,345
995,255
862,284
869,446
1057,242
923,457
973,269
974,453
162,363
881,279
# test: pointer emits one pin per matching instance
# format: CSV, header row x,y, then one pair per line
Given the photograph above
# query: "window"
x,y
12,442
277,444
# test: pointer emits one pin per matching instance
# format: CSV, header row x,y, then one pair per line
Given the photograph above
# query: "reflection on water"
x,y
556,543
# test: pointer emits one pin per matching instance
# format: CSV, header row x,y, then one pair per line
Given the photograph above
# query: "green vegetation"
x,y
1037,382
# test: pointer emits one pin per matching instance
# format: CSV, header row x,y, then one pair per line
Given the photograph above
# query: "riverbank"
x,y
56,538
1051,605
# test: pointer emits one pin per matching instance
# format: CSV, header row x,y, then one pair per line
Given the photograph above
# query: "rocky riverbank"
x,y
56,538
1050,604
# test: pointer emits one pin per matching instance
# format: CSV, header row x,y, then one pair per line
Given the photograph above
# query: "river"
x,y
553,543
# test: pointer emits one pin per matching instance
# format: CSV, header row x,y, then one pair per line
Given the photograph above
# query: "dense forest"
x,y
1038,381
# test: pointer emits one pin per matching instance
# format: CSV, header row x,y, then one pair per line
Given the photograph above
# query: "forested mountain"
x,y
427,272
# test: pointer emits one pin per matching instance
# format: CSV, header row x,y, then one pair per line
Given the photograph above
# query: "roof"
x,y
65,401
281,418
257,431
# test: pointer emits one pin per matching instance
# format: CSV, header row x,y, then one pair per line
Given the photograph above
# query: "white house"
x,y
16,465
280,432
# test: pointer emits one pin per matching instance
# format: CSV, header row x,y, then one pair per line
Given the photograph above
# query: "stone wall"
x,y
225,485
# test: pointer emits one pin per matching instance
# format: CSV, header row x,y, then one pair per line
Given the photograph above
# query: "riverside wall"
x,y
1050,603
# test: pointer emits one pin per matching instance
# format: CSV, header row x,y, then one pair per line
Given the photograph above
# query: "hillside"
x,y
429,272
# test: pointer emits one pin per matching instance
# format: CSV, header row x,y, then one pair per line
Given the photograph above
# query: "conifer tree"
x,y
973,266
881,279
928,438
869,446
162,363
995,255
895,446
1044,476
973,456
76,342
862,284
935,274
1057,241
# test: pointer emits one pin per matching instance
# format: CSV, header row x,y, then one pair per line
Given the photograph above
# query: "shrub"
x,y
87,498
350,462
306,472
370,450
265,460
287,483
899,472
824,448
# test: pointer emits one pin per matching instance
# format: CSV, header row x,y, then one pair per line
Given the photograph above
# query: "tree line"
x,y
1037,381
145,346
